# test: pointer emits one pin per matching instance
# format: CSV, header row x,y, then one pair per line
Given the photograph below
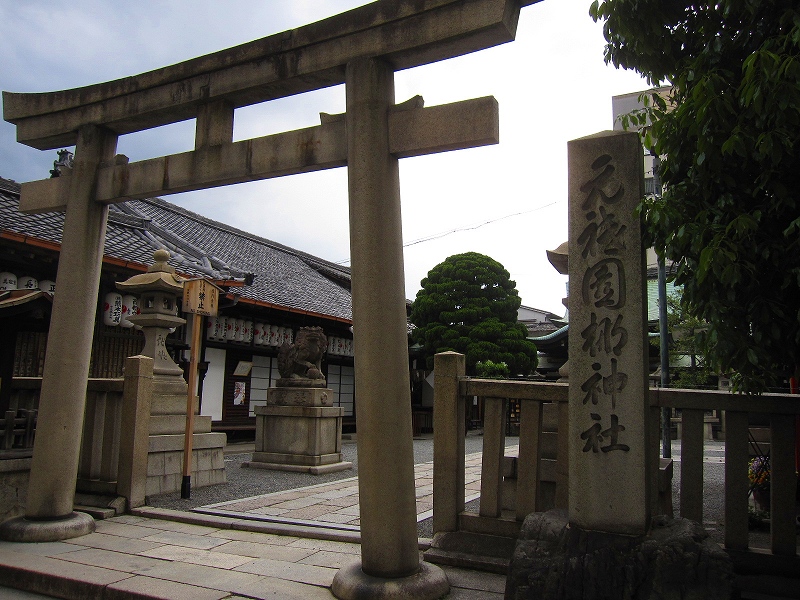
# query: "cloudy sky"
x,y
508,201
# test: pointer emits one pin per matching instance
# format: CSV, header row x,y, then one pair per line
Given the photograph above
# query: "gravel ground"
x,y
244,483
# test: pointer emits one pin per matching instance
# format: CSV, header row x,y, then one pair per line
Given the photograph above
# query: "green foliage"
x,y
469,304
489,369
727,133
684,330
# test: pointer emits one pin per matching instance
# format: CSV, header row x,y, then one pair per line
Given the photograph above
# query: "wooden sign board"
x,y
200,297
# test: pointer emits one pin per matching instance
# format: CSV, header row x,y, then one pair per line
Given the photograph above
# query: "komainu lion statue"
x,y
301,363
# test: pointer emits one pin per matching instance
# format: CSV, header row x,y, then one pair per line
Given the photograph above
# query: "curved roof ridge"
x,y
9,185
305,256
183,251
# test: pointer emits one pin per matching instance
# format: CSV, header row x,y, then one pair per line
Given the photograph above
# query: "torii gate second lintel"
x,y
412,132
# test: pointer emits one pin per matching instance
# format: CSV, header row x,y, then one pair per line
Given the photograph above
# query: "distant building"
x,y
628,103
538,322
270,291
625,104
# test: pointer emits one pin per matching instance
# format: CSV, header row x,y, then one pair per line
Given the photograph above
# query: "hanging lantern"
x,y
211,328
47,286
272,340
221,328
331,345
27,283
130,308
112,309
348,347
8,281
230,329
288,336
258,334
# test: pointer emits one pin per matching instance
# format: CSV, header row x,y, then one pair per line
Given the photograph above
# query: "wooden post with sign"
x,y
201,298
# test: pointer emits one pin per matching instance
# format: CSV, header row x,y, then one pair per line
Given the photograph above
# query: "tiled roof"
x,y
199,246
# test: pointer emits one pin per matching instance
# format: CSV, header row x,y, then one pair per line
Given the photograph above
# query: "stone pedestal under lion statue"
x,y
299,429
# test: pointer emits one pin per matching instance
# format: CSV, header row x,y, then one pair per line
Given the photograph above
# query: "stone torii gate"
x,y
361,48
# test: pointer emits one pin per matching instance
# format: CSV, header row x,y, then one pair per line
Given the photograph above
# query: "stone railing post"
x,y
449,429
134,439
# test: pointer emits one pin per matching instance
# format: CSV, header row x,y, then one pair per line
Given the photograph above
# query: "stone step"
x,y
464,560
97,513
172,404
43,576
471,551
505,526
100,506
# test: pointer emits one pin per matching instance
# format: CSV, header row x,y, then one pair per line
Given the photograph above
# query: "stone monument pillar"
x,y
390,564
54,469
608,395
607,544
299,429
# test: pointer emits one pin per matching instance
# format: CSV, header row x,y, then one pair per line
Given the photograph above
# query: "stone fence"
x,y
536,479
114,443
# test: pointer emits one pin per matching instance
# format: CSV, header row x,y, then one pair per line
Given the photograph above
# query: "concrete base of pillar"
x,y
22,529
429,583
312,469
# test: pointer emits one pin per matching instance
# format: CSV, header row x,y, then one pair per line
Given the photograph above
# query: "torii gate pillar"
x,y
51,488
389,552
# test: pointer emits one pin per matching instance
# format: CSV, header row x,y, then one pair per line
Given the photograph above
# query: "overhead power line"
x,y
442,234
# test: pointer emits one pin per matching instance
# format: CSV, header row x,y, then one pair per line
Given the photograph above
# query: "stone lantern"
x,y
158,291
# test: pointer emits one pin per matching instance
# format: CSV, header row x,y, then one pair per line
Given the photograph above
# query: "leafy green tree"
x,y
491,370
727,136
684,329
468,304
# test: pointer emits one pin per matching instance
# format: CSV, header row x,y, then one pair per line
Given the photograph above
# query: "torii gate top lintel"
x,y
404,33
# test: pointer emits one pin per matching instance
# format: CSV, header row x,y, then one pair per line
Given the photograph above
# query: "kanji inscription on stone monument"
x,y
608,351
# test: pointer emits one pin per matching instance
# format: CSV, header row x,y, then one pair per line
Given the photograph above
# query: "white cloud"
x,y
551,85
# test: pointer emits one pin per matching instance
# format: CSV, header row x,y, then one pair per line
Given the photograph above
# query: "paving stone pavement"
x,y
134,556
282,545
335,504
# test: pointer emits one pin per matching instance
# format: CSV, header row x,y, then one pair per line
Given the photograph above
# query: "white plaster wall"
x,y
262,377
341,379
211,402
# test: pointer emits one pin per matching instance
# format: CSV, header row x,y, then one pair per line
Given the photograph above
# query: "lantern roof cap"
x,y
160,277
559,258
